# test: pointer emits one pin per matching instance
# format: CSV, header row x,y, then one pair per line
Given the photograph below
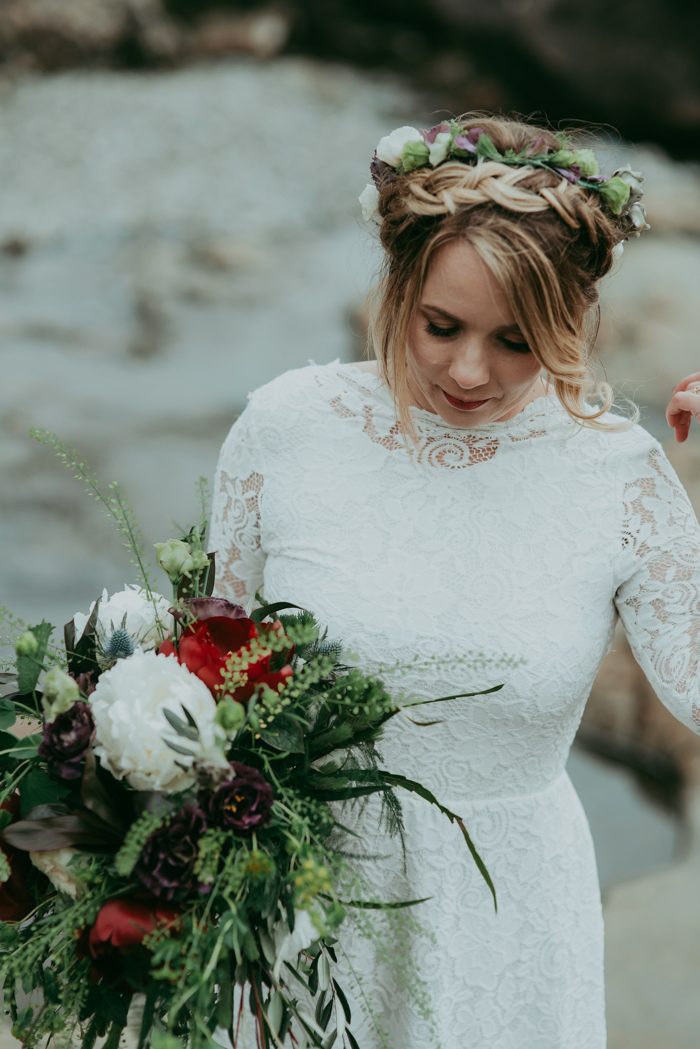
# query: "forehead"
x,y
459,282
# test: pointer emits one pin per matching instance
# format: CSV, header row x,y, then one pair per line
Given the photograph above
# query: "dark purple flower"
x,y
571,174
166,864
242,803
66,739
470,140
432,133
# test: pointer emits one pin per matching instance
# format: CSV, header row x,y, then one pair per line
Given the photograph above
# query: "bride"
x,y
473,481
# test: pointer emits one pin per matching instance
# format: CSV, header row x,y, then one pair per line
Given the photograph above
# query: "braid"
x,y
454,185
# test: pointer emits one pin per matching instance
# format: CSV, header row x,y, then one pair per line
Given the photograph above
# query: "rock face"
x,y
589,60
52,34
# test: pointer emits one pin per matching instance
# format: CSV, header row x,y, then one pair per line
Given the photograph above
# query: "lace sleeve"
x,y
235,528
658,596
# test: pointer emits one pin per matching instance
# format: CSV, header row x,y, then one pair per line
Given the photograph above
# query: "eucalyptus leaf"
x,y
181,727
258,614
177,748
343,1000
352,1040
275,1011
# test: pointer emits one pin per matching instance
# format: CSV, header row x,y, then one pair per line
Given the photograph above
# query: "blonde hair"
x,y
546,241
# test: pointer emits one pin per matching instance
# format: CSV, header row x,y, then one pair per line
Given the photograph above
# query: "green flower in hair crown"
x,y
407,148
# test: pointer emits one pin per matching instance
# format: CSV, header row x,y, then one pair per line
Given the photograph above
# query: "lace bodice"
x,y
512,545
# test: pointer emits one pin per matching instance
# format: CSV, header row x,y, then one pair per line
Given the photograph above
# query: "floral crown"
x,y
406,149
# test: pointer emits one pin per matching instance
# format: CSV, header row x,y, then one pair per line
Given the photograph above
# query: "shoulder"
x,y
283,410
292,391
620,443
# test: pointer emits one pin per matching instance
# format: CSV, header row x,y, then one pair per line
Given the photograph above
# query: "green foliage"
x,y
29,667
39,788
136,837
112,500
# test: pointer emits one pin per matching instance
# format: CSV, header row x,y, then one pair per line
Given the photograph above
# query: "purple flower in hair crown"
x,y
406,148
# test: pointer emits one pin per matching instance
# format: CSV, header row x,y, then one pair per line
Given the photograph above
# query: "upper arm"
x,y
235,532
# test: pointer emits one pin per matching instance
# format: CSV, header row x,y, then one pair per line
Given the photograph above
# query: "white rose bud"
x,y
59,692
440,147
175,558
633,179
369,201
391,146
638,218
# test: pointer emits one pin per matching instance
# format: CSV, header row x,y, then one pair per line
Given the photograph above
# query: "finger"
x,y
682,385
680,412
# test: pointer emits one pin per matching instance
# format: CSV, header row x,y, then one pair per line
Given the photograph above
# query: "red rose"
x,y
16,901
206,644
124,923
115,942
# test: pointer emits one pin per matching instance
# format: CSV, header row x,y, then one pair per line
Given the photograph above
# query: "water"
x,y
632,832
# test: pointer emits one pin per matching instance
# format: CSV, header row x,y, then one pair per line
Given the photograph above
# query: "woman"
x,y
464,497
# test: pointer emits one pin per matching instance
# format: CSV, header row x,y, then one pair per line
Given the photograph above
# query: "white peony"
x,y
391,146
439,148
141,619
369,200
131,728
55,863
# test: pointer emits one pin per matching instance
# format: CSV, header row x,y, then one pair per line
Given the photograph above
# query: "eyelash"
x,y
446,333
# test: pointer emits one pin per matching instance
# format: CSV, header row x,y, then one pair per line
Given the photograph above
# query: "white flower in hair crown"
x,y
406,148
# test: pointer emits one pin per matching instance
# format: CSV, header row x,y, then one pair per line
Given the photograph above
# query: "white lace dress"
x,y
522,539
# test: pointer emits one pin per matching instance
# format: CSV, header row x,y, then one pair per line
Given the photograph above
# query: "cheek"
x,y
522,369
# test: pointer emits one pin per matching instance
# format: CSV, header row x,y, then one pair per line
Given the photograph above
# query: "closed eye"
x,y
448,333
441,333
518,347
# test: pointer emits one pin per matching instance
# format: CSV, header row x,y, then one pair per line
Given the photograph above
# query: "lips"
x,y
456,402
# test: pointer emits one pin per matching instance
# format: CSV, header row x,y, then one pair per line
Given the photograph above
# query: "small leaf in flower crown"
x,y
486,149
414,155
616,193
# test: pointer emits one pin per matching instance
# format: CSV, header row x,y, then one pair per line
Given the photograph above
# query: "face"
x,y
464,343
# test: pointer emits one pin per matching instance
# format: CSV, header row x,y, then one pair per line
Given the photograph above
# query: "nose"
x,y
469,368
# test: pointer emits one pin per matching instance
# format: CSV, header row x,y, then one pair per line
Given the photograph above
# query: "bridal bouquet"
x,y
166,828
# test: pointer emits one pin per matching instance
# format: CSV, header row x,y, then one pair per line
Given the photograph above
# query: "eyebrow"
x,y
451,317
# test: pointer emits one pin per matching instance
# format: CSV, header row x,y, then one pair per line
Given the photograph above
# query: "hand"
x,y
684,406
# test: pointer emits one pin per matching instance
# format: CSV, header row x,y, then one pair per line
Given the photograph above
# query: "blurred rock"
x,y
591,60
646,340
56,34
262,34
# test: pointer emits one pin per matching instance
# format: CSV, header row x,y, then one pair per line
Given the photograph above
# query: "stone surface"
x,y
652,955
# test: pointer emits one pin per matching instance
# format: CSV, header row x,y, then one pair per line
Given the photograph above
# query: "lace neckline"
x,y
538,413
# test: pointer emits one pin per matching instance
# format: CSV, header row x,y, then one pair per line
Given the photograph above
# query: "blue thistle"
x,y
120,644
